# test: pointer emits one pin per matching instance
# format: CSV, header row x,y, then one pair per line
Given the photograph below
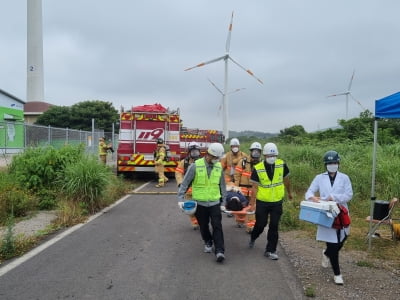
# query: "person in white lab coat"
x,y
331,185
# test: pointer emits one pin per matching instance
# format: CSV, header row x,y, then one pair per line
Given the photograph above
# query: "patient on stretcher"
x,y
235,201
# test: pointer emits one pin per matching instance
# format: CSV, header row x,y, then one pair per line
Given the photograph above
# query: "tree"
x,y
80,115
57,116
102,112
295,130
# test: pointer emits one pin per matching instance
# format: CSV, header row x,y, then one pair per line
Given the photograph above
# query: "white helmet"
x,y
235,142
188,207
216,149
270,149
193,145
256,145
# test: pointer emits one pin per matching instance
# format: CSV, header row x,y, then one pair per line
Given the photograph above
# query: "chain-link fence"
x,y
16,137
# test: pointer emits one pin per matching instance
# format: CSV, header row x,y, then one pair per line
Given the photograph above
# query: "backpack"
x,y
342,220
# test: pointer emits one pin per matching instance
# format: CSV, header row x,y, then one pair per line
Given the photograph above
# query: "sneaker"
x,y
338,279
271,255
207,248
251,243
325,260
220,257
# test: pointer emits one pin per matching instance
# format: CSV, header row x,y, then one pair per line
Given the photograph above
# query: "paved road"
x,y
145,248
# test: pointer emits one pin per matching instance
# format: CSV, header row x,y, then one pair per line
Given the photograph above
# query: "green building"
x,y
11,123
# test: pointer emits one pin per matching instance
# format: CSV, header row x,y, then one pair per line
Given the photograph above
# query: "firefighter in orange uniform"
x,y
231,160
159,158
192,154
242,179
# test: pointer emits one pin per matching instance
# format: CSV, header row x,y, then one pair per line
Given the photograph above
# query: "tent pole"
x,y
371,211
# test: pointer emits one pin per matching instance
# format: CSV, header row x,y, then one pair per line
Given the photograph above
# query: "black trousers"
x,y
273,211
332,251
204,215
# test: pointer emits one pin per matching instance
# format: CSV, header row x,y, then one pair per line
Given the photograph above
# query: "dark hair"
x,y
234,204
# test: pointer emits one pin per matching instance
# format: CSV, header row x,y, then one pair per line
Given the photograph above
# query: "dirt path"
x,y
379,282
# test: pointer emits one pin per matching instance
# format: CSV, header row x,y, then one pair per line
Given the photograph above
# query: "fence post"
x,y
93,140
49,136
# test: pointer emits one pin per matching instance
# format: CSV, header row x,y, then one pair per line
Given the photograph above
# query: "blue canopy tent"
x,y
385,108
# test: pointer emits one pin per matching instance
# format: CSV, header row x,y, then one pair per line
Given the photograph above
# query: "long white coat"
x,y
341,192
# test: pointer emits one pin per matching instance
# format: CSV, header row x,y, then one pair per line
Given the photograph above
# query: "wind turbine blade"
x,y
236,90
247,70
358,102
219,109
340,94
206,63
215,86
351,80
228,39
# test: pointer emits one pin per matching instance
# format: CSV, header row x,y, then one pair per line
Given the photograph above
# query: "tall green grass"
x,y
85,182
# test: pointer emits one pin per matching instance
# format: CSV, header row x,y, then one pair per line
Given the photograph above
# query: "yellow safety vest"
x,y
206,188
270,191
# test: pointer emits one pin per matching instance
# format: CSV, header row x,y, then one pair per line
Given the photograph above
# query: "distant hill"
x,y
249,133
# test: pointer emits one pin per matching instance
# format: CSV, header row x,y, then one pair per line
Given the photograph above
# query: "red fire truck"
x,y
202,136
143,125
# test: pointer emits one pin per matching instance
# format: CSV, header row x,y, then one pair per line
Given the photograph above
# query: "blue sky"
x,y
135,52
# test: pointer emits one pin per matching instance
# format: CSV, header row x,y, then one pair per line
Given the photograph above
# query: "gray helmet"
x,y
331,156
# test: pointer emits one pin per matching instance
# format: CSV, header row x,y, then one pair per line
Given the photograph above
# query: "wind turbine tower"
x,y
35,82
225,93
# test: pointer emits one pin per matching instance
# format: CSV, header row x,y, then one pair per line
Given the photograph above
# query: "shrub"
x,y
38,168
47,199
7,248
14,201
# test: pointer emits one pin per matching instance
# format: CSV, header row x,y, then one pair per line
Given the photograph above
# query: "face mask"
x,y
255,153
332,168
214,161
194,153
235,149
270,160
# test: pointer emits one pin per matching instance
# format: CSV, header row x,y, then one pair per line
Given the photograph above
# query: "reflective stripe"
x,y
238,169
247,174
179,170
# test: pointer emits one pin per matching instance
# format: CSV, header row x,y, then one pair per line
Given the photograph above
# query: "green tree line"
x,y
79,116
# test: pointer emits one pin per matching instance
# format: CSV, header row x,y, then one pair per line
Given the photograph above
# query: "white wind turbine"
x,y
226,57
222,93
347,94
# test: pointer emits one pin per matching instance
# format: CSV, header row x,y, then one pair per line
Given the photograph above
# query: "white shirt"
x,y
341,192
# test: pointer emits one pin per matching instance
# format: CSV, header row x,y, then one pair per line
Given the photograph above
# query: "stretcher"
x,y
243,218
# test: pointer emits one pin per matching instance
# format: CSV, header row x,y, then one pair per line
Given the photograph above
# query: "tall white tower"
x,y
35,82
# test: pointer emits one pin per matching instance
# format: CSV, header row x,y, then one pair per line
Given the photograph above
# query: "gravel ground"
x,y
32,225
379,282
